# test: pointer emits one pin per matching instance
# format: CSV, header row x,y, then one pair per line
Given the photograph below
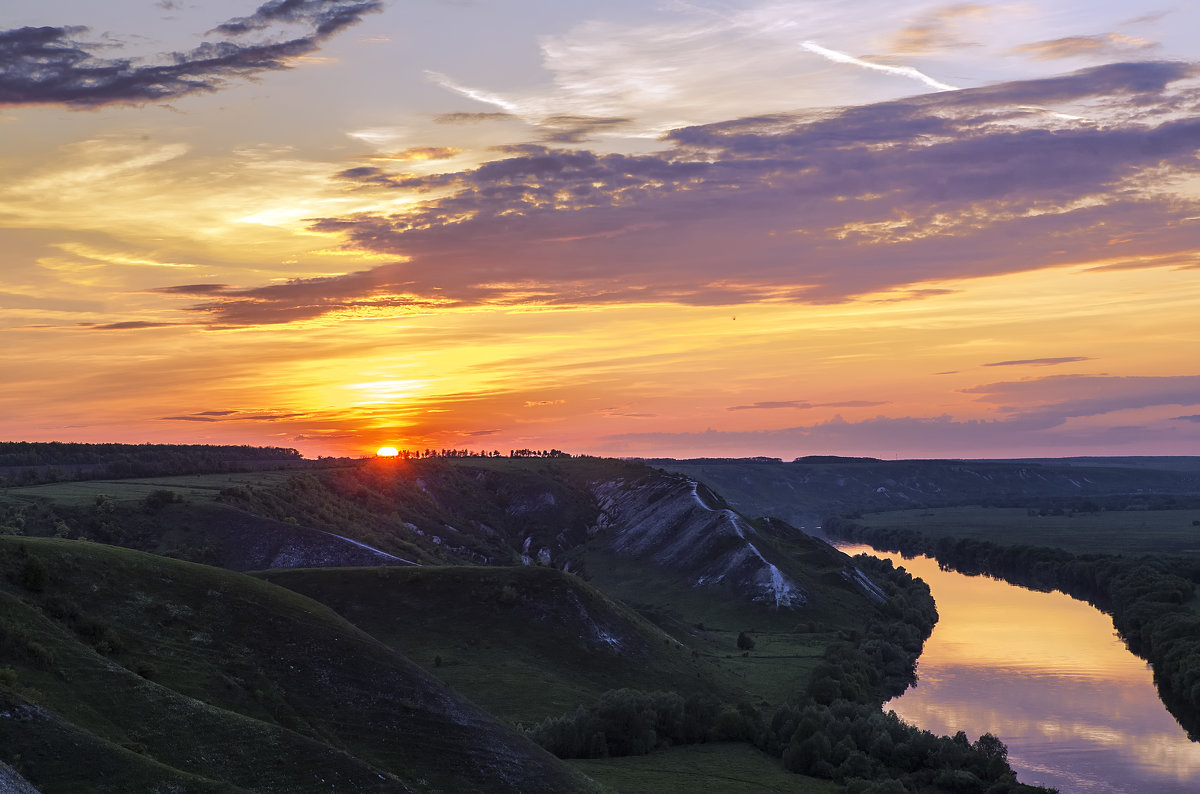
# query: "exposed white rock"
x,y
670,522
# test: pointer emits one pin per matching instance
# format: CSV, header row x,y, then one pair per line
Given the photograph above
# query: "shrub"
x,y
34,575
157,500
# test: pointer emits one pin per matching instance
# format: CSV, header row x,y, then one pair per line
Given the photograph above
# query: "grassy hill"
x,y
523,642
807,490
159,672
122,671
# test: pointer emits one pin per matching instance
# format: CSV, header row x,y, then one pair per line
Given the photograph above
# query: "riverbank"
x,y
1151,599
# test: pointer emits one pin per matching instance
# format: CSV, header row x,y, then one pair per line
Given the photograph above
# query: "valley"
x,y
423,625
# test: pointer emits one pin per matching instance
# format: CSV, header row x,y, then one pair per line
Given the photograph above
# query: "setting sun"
x,y
387,452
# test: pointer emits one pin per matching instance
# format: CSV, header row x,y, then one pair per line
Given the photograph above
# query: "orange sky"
x,y
902,230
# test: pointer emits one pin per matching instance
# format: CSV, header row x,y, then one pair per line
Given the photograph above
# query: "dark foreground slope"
x,y
121,671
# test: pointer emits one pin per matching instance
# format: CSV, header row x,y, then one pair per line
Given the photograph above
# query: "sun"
x,y
387,452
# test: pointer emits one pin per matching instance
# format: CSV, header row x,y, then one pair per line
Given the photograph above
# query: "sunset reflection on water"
x,y
1047,674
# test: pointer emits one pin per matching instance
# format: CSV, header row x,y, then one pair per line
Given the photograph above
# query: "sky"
x,y
896,229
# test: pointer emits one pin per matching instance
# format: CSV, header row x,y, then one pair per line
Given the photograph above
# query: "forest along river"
x,y
1048,676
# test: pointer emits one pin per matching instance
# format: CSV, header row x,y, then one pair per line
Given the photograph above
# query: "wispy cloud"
x,y
1037,414
769,405
900,71
1105,45
1038,362
129,325
937,30
1052,400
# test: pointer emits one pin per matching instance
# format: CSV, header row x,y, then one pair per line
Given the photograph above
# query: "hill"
x,y
125,671
523,642
621,608
807,490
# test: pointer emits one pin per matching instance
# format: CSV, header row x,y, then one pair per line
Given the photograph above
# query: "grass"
x,y
195,486
728,768
249,667
1129,532
523,642
225,679
788,644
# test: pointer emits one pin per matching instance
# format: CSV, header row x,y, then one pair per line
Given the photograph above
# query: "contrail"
x,y
471,93
903,71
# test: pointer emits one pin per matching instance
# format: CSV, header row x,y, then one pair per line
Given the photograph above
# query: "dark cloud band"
x,y
51,66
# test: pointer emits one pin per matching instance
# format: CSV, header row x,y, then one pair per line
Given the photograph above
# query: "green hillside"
x,y
523,642
122,671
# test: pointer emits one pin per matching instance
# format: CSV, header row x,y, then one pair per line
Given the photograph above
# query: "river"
x,y
1047,675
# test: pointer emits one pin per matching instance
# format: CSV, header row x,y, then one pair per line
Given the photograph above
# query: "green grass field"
x,y
193,486
727,768
1129,532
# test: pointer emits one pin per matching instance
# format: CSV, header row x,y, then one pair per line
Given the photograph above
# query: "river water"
x,y
1048,676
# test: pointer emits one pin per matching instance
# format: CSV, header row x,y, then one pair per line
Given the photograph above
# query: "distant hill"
x,y
808,489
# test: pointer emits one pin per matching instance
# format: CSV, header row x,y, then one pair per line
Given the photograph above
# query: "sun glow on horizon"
x,y
387,452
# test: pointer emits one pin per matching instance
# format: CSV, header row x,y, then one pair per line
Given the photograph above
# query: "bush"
x,y
157,500
34,575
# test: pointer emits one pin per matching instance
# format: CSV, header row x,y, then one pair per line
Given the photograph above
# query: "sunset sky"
x,y
897,229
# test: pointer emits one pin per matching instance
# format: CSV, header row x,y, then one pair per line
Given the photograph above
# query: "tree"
x,y
745,642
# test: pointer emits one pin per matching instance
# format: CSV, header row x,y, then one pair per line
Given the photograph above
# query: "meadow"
x,y
1125,532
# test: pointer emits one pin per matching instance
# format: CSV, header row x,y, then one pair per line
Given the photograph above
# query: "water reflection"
x,y
1047,675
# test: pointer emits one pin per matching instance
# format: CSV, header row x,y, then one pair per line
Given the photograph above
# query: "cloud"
x,y
325,16
52,66
852,404
1105,45
936,31
814,207
770,405
932,436
192,289
130,325
418,154
901,71
1191,418
479,433
1052,400
1038,362
191,418
577,129
472,118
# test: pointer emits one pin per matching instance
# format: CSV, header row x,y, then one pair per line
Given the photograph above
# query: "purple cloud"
x,y
1038,362
129,325
1035,414
806,208
770,405
51,66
